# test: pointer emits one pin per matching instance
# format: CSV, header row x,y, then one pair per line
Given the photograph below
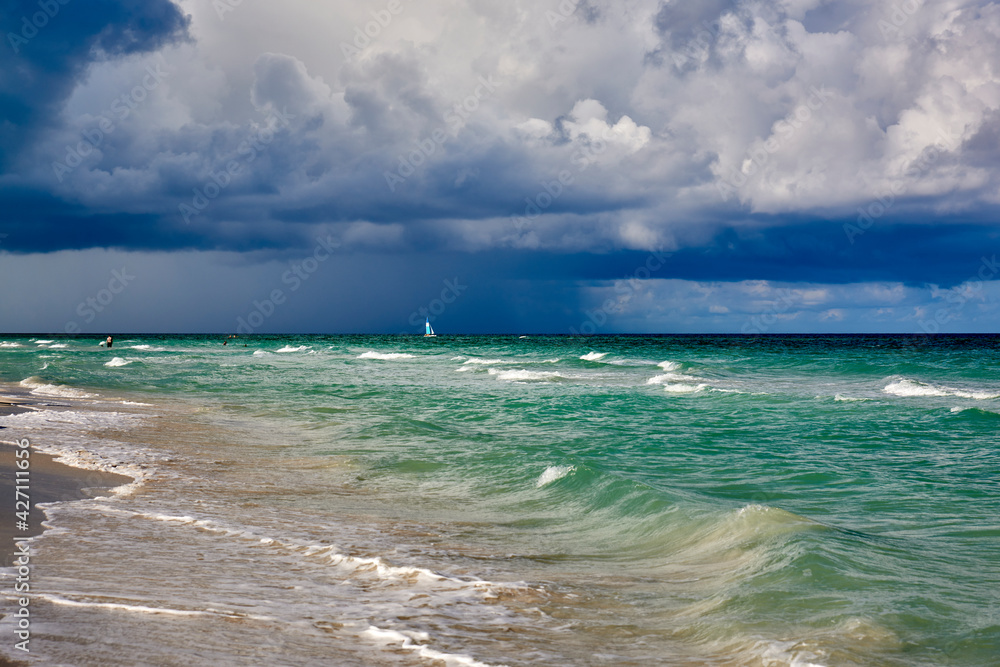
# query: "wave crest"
x,y
385,356
914,388
552,473
681,388
526,376
38,386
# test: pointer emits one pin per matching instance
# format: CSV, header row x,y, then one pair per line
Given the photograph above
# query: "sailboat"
x,y
429,333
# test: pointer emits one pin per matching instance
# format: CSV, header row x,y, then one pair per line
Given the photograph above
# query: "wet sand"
x,y
48,481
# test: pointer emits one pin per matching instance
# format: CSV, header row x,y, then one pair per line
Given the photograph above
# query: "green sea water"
x,y
703,500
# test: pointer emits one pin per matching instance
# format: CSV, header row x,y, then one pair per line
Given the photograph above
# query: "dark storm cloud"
x,y
814,251
818,251
540,146
48,46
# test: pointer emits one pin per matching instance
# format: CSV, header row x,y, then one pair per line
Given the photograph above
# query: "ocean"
x,y
506,500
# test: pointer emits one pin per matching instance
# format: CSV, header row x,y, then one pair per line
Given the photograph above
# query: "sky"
x,y
547,166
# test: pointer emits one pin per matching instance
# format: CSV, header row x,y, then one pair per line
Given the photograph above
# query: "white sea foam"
x,y
552,473
456,358
261,353
474,361
386,356
41,388
594,356
90,420
785,653
667,378
42,342
525,376
407,642
148,348
144,609
752,508
64,435
848,399
681,388
679,383
976,395
8,344
326,553
120,607
136,403
80,419
914,388
289,348
376,565
669,365
118,361
958,409
58,346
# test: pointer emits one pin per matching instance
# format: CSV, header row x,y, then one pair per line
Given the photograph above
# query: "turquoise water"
x,y
540,500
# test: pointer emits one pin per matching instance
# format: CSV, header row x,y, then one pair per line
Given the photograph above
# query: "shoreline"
x,y
49,481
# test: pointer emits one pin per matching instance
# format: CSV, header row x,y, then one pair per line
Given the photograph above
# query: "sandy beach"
x,y
49,481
